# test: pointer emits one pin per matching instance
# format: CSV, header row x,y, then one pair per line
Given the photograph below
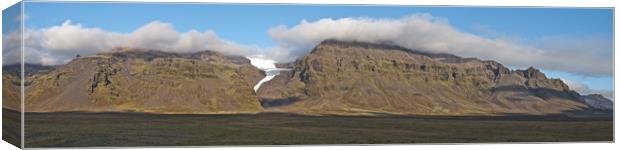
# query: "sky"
x,y
568,43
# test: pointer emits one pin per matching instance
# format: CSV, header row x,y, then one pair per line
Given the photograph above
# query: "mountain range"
x,y
335,78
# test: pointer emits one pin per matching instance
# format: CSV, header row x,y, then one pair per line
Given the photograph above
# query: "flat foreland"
x,y
82,129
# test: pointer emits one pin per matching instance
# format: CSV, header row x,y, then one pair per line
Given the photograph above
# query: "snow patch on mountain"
x,y
267,65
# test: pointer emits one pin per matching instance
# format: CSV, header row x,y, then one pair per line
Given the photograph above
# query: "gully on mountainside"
x,y
268,66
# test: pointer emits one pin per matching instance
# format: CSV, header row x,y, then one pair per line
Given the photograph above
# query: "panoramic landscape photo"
x,y
164,74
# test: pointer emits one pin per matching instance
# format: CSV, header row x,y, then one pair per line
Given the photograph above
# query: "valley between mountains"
x,y
335,78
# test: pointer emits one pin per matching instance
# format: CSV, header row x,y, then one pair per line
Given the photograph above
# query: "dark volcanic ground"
x,y
77,129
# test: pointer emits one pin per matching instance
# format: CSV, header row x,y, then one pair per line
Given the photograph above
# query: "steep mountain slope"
x,y
148,81
11,82
10,92
598,101
360,78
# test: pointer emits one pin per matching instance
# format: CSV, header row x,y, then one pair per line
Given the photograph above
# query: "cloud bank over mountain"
x,y
58,44
584,56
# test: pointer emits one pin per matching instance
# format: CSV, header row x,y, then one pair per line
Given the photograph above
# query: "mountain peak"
x,y
340,44
532,72
532,69
370,45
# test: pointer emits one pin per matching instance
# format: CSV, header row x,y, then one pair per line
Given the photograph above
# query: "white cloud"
x,y
584,89
590,56
73,38
10,47
427,33
58,44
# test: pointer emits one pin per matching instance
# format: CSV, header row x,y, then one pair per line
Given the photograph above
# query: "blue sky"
x,y
249,24
10,18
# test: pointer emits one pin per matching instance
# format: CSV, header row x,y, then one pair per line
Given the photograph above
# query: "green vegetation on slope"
x,y
358,78
148,81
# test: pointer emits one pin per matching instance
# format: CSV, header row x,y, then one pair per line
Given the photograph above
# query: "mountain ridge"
x,y
335,78
148,81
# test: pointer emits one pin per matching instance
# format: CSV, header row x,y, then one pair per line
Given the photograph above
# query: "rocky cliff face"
x,y
148,81
363,78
